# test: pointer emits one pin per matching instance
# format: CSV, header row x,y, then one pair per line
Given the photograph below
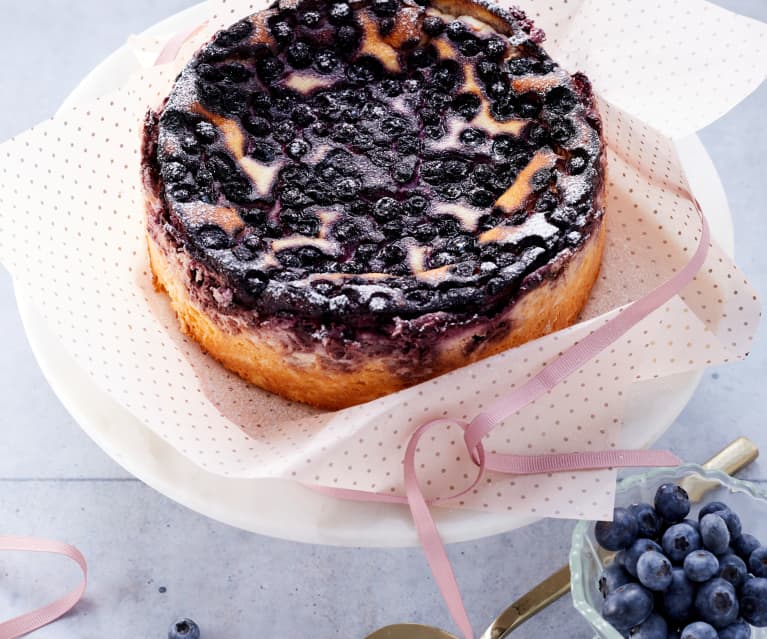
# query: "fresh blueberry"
x,y
717,603
654,627
699,630
757,562
745,545
613,577
619,533
679,541
733,569
672,502
679,597
648,520
692,522
631,555
753,602
628,606
739,630
184,629
733,522
654,571
712,507
700,566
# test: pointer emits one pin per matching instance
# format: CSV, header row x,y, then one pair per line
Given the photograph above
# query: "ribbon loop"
x,y
26,623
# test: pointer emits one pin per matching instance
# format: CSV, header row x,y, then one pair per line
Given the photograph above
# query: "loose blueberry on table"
x,y
184,629
678,578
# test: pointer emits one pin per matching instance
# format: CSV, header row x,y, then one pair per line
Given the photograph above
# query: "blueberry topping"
x,y
269,68
299,55
457,30
282,32
310,19
325,61
433,25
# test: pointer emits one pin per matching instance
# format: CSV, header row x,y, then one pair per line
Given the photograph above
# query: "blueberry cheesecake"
x,y
346,199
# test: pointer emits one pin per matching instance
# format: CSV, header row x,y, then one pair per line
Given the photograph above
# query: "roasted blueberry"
x,y
348,35
627,606
577,162
619,533
403,171
700,566
205,131
391,87
237,191
433,25
757,562
260,101
302,115
716,603
394,126
184,629
325,61
237,32
182,192
256,125
385,7
672,502
173,171
473,137
365,70
269,68
466,105
679,541
299,55
340,13
714,533
457,30
753,602
679,598
495,47
699,630
297,149
282,32
561,130
263,152
733,569
560,100
387,208
213,237
310,19
654,571
480,197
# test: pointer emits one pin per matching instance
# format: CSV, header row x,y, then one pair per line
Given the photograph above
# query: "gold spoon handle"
x,y
735,456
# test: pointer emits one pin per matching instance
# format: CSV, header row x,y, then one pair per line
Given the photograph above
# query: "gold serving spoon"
x,y
734,457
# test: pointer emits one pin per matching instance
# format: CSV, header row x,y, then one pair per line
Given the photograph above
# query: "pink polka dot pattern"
x,y
72,235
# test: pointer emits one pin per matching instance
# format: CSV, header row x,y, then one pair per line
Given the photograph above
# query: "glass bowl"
x,y
587,562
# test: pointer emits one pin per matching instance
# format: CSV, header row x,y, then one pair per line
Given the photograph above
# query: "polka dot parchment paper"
x,y
72,234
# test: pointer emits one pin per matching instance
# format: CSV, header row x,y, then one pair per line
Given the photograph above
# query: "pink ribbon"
x,y
30,621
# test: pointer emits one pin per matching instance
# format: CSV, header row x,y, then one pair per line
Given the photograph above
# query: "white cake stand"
x,y
281,508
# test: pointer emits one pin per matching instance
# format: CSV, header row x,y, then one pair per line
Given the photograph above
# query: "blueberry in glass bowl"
x,y
730,596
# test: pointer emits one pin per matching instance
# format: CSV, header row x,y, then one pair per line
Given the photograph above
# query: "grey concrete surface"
x,y
152,560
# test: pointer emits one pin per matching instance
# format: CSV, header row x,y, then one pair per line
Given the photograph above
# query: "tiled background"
x,y
55,482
